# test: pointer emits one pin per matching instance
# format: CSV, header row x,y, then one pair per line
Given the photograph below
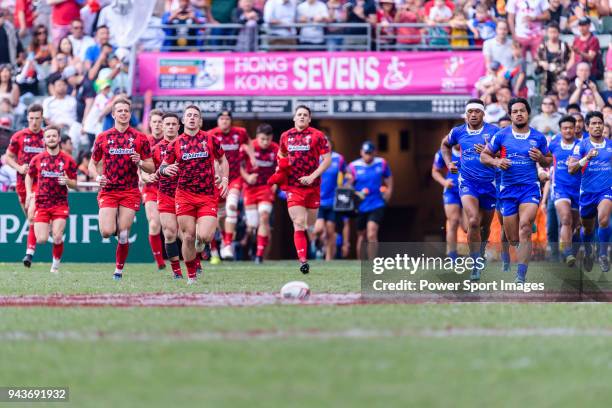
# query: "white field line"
x,y
93,336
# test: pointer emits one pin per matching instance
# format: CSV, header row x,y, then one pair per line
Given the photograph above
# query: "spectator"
x,y
8,88
562,86
113,17
606,95
24,20
92,54
498,106
278,13
449,3
80,41
312,12
579,10
488,84
583,84
439,15
10,46
89,15
63,12
586,49
553,58
526,18
82,89
607,130
7,115
221,13
250,18
359,12
557,12
60,110
8,175
40,46
93,122
182,18
65,47
482,25
83,170
459,37
59,62
385,16
337,14
409,13
515,73
27,78
66,145
547,121
499,48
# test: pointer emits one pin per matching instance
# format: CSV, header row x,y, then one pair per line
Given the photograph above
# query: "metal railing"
x,y
242,38
419,36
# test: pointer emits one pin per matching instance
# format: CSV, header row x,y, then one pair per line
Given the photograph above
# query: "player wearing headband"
x,y
520,148
593,157
234,141
476,181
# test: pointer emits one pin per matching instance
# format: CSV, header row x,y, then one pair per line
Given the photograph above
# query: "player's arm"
x,y
323,165
65,180
438,176
250,152
447,155
388,182
11,160
575,165
541,155
487,157
223,171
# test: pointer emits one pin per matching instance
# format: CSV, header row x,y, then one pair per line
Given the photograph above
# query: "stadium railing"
x,y
419,36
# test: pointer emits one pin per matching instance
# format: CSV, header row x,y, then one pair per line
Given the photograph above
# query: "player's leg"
x,y
187,226
125,219
206,227
527,214
453,219
372,228
318,236
152,213
362,222
58,226
505,245
588,211
31,240
41,229
576,227
252,221
565,216
472,211
330,232
298,215
486,217
215,257
231,219
169,226
264,210
346,238
107,221
604,232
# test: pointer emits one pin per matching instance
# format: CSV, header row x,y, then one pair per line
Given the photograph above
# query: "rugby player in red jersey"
x,y
24,145
149,191
192,157
304,147
258,195
235,142
117,155
53,171
166,191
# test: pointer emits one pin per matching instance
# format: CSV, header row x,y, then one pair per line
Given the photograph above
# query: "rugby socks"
x,y
262,243
31,240
604,239
587,239
156,248
58,250
121,255
301,245
191,268
197,261
521,271
214,249
228,237
576,241
475,256
176,268
453,255
483,248
505,257
172,250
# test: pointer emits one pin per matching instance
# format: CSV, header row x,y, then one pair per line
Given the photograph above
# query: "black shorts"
x,y
376,216
328,214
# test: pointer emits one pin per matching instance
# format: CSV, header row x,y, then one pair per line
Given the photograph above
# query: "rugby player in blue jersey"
x,y
325,226
505,245
593,157
476,181
452,200
565,187
371,178
520,148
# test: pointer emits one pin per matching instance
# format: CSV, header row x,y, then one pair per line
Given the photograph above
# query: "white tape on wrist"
x,y
583,161
98,178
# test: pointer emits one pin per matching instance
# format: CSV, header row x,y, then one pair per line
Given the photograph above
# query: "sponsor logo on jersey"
x,y
119,150
264,163
230,147
47,173
196,155
33,149
298,148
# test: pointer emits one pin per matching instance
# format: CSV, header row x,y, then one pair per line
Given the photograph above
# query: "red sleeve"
x,y
33,171
283,144
144,147
97,152
244,137
71,170
171,153
322,145
215,147
15,144
156,156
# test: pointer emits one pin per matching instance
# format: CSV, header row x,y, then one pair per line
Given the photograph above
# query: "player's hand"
x,y
448,183
153,177
479,147
592,153
171,170
135,158
307,180
102,180
503,164
23,169
452,167
251,178
63,179
535,154
223,187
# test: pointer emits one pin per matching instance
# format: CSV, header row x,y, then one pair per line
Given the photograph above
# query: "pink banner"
x,y
310,73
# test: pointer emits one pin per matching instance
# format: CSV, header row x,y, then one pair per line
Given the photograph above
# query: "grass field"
x,y
457,354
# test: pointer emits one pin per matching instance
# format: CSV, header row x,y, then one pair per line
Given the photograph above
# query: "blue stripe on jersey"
x,y
522,170
596,176
471,167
